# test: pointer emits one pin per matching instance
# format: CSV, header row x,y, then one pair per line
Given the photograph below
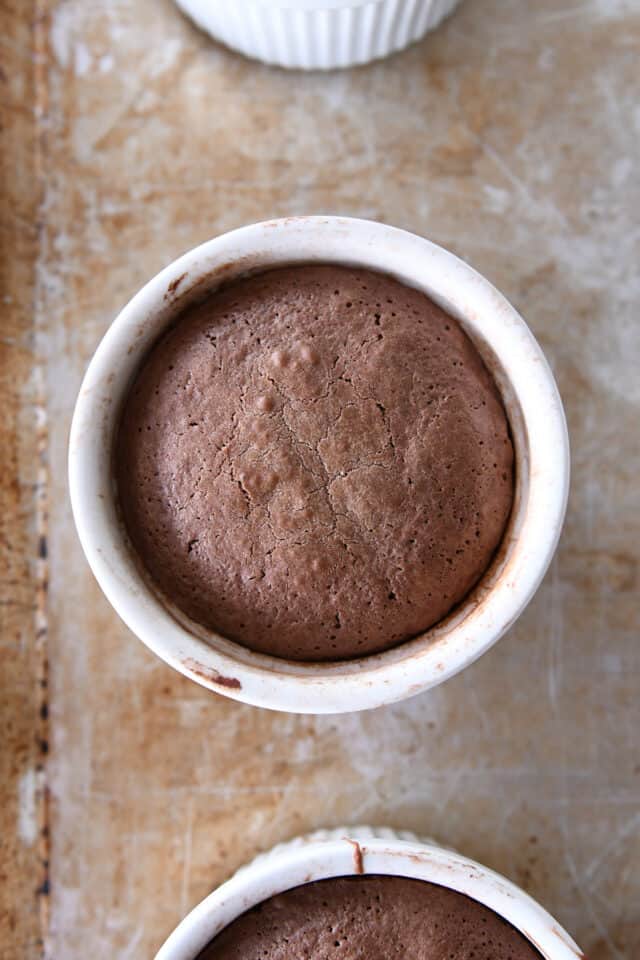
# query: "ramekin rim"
x,y
360,851
374,680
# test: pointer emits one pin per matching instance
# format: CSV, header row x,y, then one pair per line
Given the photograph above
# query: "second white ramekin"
x,y
317,34
537,425
353,851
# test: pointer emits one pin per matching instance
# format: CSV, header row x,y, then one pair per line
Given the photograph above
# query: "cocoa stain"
x,y
209,283
231,683
173,286
561,936
224,268
358,859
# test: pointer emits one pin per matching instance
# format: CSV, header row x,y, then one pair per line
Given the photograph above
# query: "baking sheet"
x,y
510,136
23,505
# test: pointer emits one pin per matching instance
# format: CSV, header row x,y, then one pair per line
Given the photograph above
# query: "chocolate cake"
x,y
315,462
370,918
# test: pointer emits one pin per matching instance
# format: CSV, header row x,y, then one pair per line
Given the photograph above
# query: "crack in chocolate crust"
x,y
373,917
315,462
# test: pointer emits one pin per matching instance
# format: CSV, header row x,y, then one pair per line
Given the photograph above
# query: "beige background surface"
x,y
510,136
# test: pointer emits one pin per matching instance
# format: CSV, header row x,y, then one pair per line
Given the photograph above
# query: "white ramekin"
x,y
537,424
317,34
354,851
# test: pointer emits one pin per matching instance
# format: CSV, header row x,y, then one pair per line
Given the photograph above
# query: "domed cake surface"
x,y
315,463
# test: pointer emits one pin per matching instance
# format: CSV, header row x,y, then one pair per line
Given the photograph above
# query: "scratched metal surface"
x,y
509,136
23,694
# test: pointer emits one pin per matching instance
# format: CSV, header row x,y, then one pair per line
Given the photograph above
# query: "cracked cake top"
x,y
315,463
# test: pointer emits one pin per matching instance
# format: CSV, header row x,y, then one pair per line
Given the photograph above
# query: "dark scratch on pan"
x,y
232,683
173,286
358,859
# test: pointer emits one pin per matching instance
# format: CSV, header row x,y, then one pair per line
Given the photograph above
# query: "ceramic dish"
x,y
536,420
317,34
364,850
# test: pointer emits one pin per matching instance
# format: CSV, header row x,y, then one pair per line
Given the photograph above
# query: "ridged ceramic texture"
x,y
350,851
360,833
320,38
